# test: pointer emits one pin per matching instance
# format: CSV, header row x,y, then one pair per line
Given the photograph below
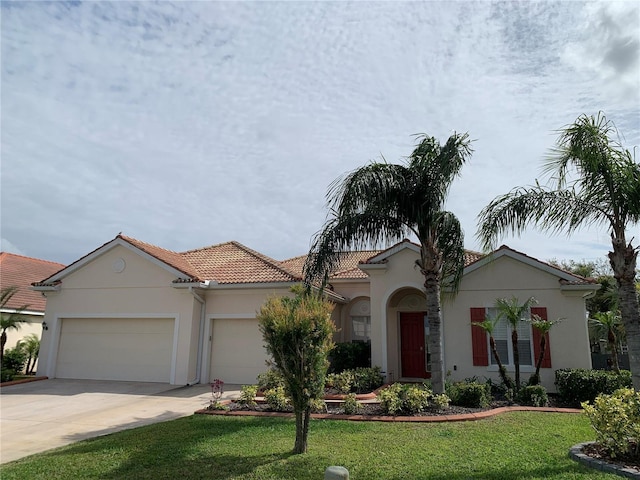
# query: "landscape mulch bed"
x,y
595,450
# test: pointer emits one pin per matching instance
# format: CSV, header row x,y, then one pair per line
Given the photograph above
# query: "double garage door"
x,y
129,349
237,352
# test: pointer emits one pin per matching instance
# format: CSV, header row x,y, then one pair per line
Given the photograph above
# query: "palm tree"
x,y
597,183
31,346
608,324
9,321
542,326
489,325
514,313
382,203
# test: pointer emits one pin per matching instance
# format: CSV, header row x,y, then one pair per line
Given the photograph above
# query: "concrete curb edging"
x,y
360,418
22,380
575,453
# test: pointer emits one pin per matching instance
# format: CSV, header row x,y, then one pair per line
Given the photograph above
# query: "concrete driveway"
x,y
38,416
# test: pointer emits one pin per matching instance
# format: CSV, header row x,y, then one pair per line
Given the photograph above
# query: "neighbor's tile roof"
x,y
22,271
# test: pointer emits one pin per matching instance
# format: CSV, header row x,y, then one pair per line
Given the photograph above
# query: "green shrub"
x,y
270,379
14,359
441,401
390,399
350,406
360,380
578,385
367,379
342,382
6,374
276,399
533,395
469,394
349,356
248,395
616,420
318,406
416,399
404,399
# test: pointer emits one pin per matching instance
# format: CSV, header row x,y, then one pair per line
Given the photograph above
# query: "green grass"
x,y
526,445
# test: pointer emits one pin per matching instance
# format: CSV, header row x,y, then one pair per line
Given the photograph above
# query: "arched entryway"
x,y
408,335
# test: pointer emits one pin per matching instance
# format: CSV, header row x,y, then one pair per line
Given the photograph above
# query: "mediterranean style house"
x,y
137,312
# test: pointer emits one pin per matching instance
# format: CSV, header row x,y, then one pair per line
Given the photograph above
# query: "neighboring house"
x,y
21,271
134,311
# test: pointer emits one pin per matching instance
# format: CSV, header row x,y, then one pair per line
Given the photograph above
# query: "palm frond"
x,y
343,233
553,210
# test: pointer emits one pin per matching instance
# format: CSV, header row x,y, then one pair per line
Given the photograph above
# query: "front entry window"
x,y
361,328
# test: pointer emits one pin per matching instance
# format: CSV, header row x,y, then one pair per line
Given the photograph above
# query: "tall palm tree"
x,y
382,203
9,321
597,182
608,324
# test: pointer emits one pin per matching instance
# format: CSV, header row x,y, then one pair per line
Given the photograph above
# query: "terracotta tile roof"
x,y
232,262
22,272
348,267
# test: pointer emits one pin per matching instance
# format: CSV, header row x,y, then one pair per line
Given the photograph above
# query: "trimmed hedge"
x,y
469,394
533,396
577,385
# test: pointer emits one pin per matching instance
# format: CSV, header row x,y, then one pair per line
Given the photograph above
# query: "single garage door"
x,y
130,349
237,352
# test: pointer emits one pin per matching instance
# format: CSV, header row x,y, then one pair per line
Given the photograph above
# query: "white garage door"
x,y
237,354
130,349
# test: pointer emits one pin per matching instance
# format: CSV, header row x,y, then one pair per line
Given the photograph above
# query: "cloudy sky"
x,y
193,123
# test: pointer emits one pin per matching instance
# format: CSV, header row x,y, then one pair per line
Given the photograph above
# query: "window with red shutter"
x,y
546,360
479,339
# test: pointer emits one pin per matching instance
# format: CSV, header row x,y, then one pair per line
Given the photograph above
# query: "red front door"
x,y
412,355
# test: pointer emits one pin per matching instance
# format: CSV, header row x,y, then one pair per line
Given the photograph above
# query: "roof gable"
x,y
565,278
166,259
22,271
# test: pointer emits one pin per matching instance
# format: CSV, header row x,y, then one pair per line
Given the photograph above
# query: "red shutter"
x,y
546,360
479,339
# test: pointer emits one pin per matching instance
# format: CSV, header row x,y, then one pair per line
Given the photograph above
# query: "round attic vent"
x,y
118,265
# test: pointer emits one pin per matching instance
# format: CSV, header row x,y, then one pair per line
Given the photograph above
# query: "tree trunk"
x,y
516,356
503,371
302,430
434,316
613,345
3,342
623,262
535,379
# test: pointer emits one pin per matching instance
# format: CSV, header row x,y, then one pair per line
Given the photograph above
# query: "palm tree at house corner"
x,y
597,183
383,203
9,320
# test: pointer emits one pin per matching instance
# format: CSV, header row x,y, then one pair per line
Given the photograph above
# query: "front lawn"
x,y
528,445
